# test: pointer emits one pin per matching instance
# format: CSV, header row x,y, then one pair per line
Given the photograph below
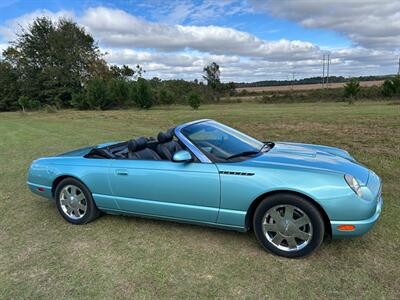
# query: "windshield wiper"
x,y
265,148
244,153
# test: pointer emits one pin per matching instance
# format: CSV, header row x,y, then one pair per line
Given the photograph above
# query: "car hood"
x,y
311,156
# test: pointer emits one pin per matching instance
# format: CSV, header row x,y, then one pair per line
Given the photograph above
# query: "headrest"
x,y
138,144
164,137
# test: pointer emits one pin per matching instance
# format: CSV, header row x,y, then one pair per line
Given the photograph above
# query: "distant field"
x,y
305,87
116,257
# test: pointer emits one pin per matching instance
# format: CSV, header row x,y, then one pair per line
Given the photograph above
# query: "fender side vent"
x,y
236,173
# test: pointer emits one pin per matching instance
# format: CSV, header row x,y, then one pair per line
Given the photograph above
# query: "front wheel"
x,y
75,202
288,225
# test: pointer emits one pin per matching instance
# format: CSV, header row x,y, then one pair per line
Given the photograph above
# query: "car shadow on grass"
x,y
143,229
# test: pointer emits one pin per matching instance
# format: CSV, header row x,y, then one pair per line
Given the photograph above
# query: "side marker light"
x,y
346,227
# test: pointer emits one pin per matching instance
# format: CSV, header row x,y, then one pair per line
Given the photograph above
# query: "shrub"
x,y
166,97
391,87
352,89
117,92
96,95
264,99
23,101
50,109
26,103
132,93
194,100
388,88
243,92
78,101
143,96
396,84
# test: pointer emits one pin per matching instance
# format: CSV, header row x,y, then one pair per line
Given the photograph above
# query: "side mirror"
x,y
182,156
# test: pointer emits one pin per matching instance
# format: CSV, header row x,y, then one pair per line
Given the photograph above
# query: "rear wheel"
x,y
288,225
75,202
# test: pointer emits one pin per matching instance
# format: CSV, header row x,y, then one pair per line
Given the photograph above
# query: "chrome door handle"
x,y
121,172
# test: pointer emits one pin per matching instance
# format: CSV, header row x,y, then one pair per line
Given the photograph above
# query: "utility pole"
x,y
293,74
323,70
327,69
398,70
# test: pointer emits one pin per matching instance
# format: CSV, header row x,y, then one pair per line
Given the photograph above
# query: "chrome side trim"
x,y
189,144
236,173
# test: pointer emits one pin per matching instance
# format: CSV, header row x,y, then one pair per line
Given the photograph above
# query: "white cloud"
x,y
129,56
168,50
368,23
350,61
189,11
13,26
169,65
116,28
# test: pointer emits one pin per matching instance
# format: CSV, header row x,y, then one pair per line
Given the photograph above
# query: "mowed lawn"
x,y
42,256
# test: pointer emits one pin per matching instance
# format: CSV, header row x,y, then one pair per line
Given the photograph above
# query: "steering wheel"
x,y
214,149
220,141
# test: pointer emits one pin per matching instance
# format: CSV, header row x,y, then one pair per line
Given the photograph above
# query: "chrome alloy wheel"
x,y
287,227
73,202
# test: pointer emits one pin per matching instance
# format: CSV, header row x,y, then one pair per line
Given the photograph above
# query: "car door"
x,y
181,190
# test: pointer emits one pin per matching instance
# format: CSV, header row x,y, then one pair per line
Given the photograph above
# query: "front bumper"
x,y
361,226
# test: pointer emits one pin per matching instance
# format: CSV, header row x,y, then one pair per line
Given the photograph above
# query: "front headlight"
x,y
353,184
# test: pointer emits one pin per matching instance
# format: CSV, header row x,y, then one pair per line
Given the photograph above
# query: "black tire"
x,y
92,212
318,227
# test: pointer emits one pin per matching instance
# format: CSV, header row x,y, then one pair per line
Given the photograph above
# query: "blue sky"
x,y
251,40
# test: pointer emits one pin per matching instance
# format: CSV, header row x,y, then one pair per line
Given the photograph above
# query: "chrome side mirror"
x,y
182,156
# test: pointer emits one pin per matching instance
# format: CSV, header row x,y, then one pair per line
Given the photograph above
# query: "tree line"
x,y
58,64
310,80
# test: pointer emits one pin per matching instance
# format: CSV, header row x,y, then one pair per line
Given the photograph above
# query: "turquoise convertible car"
x,y
204,172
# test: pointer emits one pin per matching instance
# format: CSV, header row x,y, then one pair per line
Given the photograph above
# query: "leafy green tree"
x,y
352,89
53,60
138,71
181,88
388,88
9,90
166,97
96,95
118,92
211,74
124,72
230,88
396,83
391,87
78,101
143,96
27,103
194,100
23,101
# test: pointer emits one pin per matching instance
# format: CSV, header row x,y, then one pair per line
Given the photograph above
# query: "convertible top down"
x,y
204,172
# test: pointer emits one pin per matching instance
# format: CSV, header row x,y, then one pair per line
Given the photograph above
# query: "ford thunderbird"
x,y
291,195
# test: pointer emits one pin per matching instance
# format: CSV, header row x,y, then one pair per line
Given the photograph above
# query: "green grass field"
x,y
42,256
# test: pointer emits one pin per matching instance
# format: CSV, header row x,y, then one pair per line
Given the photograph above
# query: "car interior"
x,y
143,148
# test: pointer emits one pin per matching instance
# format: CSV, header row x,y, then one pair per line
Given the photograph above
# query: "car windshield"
x,y
220,141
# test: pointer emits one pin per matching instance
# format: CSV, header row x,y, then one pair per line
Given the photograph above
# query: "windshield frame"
x,y
209,158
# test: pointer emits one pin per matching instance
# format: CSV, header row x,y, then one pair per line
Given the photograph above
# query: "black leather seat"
x,y
138,150
167,147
